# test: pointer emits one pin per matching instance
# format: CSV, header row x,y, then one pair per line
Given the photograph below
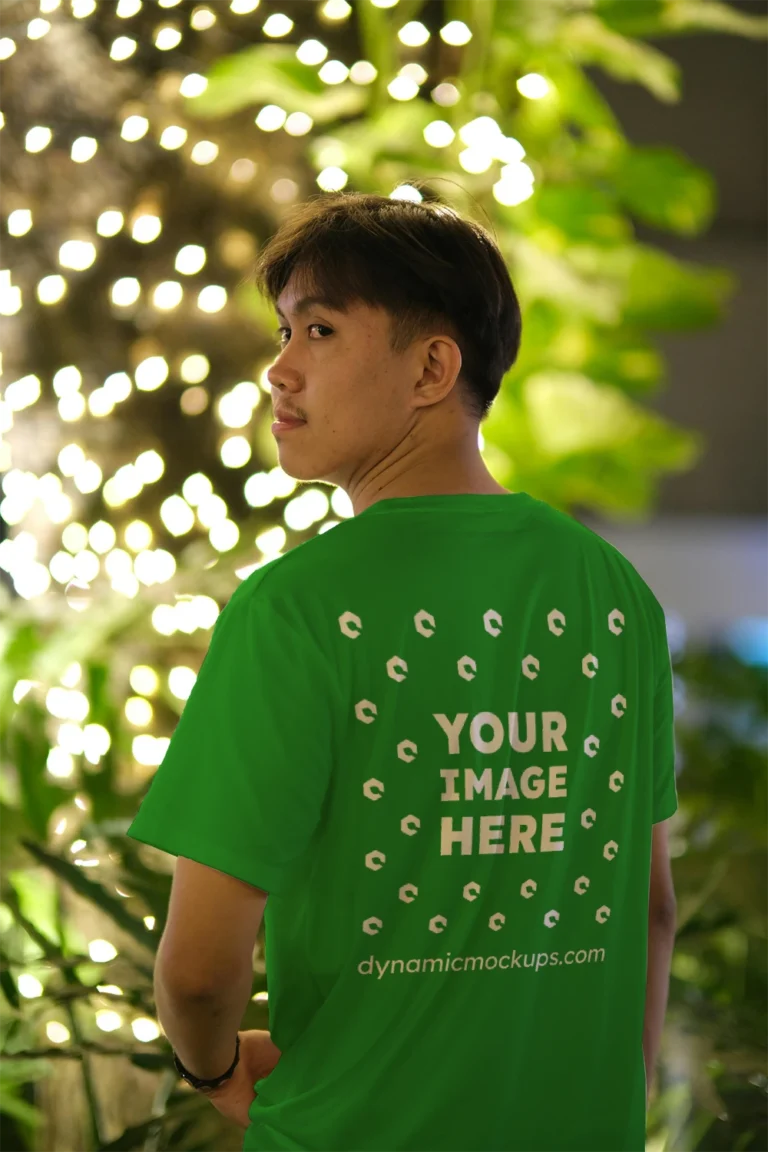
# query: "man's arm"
x,y
204,964
661,943
203,1029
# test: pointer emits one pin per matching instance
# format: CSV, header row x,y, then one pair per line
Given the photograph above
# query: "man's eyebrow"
x,y
305,304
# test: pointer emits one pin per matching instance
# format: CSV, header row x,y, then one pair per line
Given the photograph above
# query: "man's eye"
x,y
281,330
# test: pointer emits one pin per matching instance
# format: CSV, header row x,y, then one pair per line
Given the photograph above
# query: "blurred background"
x,y
706,551
617,151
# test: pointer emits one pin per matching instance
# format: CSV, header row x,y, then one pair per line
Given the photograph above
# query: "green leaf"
x,y
20,641
669,295
109,619
619,358
671,17
31,899
271,74
662,187
588,40
7,982
23,1070
27,748
632,17
14,824
48,948
581,101
571,413
20,1110
611,355
15,1073
94,892
593,443
256,308
394,133
546,276
582,212
711,16
151,886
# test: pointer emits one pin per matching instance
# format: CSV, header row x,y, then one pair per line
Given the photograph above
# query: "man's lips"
x,y
286,422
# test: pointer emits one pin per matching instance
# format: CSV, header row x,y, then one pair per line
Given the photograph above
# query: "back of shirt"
x,y
457,932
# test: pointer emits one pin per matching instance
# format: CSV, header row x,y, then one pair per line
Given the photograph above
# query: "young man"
x,y
440,737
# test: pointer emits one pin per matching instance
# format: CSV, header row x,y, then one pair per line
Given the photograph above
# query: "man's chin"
x,y
297,469
301,466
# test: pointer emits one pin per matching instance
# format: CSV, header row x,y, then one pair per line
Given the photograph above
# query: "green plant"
x,y
718,1012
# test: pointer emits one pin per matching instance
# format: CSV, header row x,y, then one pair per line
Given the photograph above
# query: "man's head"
x,y
403,356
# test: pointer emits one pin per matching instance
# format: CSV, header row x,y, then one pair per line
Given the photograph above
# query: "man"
x,y
439,739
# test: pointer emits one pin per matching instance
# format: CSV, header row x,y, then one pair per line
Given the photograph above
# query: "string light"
x,y
533,86
145,224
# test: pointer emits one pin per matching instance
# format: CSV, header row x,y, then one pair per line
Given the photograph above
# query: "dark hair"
x,y
426,265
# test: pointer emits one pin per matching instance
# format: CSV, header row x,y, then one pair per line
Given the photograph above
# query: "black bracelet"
x,y
197,1082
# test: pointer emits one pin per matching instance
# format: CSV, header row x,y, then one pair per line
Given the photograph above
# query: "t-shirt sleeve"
x,y
664,784
244,778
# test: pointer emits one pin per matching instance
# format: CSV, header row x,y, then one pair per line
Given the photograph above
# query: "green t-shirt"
x,y
438,735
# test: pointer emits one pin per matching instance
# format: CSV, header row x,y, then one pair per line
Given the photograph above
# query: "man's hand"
x,y
258,1056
